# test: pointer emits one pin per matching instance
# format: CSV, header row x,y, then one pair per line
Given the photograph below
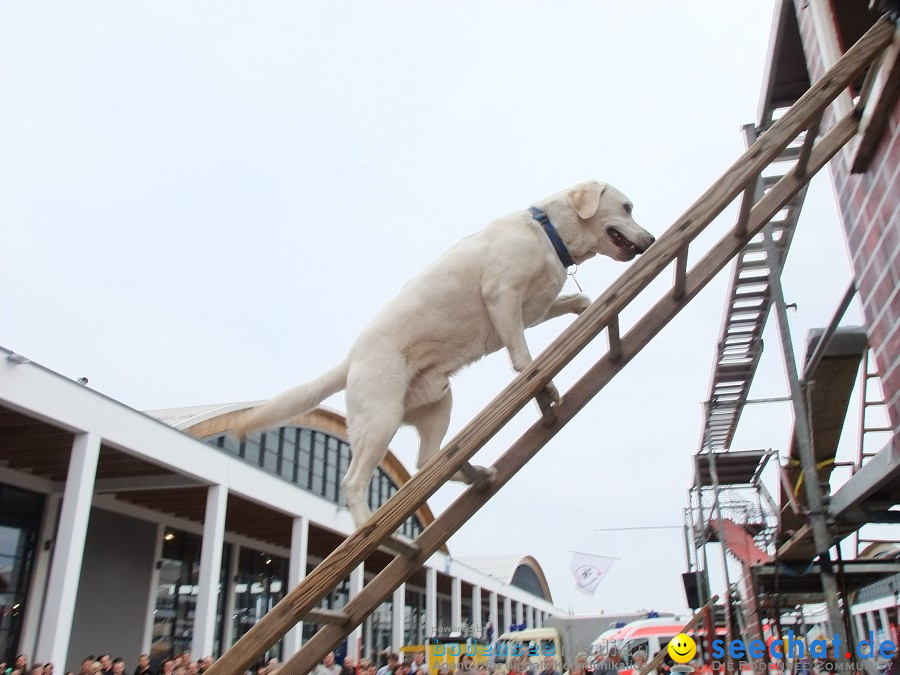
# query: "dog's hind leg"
x,y
374,413
431,423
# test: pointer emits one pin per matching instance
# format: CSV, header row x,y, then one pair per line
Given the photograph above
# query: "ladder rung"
x,y
396,545
868,403
327,616
615,343
680,274
876,429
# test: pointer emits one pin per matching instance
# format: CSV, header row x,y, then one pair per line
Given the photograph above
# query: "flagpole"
x,y
595,554
647,527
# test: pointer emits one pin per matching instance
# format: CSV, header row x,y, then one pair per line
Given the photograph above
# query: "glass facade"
x,y
176,599
311,459
20,521
260,584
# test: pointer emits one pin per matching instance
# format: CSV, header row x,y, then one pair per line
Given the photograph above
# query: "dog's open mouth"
x,y
623,243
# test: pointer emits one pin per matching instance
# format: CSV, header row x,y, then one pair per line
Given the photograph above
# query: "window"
x,y
313,460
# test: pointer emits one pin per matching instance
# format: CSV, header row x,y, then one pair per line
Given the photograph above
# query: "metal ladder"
x,y
603,314
740,344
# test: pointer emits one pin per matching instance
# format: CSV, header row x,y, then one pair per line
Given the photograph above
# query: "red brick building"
x,y
808,37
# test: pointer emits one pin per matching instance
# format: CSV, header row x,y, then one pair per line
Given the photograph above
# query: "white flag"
x,y
589,570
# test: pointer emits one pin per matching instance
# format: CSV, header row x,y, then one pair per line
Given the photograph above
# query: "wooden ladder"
x,y
603,314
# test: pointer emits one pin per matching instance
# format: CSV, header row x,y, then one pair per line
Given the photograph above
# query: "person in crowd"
x,y
402,668
168,667
581,664
105,664
273,665
466,665
118,666
391,666
328,666
37,669
21,662
143,666
638,660
371,669
48,669
349,666
549,667
418,664
610,665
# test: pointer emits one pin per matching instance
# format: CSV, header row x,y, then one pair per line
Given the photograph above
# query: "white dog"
x,y
479,296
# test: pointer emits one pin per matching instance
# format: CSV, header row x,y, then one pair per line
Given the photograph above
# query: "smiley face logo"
x,y
682,648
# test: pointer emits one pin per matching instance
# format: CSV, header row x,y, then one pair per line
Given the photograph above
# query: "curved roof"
x,y
207,420
520,570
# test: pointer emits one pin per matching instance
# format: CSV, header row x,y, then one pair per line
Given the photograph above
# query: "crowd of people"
x,y
104,664
390,663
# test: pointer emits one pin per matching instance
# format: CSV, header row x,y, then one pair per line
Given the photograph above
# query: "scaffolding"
x,y
788,551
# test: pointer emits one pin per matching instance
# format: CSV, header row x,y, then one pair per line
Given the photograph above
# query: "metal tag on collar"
x,y
572,274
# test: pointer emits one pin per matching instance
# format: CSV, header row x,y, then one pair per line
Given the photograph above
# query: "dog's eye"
x,y
627,208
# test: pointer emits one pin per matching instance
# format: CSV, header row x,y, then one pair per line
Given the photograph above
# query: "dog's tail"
x,y
293,402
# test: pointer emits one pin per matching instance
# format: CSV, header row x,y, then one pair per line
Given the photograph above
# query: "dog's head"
x,y
605,215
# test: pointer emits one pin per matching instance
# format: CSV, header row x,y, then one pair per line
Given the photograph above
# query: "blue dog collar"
x,y
555,239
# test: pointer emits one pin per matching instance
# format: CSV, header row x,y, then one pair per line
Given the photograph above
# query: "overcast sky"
x,y
204,202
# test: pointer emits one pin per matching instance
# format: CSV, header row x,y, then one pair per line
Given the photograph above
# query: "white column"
x,y
520,613
507,615
296,574
539,620
203,640
885,624
529,617
153,591
367,631
431,601
494,617
477,623
35,605
230,599
65,569
455,603
870,617
354,640
860,628
399,619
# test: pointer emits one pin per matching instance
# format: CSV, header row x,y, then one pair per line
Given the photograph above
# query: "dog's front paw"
x,y
483,476
552,393
580,302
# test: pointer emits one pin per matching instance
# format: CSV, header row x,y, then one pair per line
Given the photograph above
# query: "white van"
x,y
537,643
648,635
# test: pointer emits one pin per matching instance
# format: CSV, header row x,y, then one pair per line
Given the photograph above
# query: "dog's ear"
x,y
585,198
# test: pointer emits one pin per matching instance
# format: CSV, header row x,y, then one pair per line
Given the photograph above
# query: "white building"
x,y
120,529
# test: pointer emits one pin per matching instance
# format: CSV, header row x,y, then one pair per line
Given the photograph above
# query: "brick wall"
x,y
869,206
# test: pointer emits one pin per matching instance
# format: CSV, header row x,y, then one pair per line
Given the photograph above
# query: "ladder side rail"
x,y
559,353
571,403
